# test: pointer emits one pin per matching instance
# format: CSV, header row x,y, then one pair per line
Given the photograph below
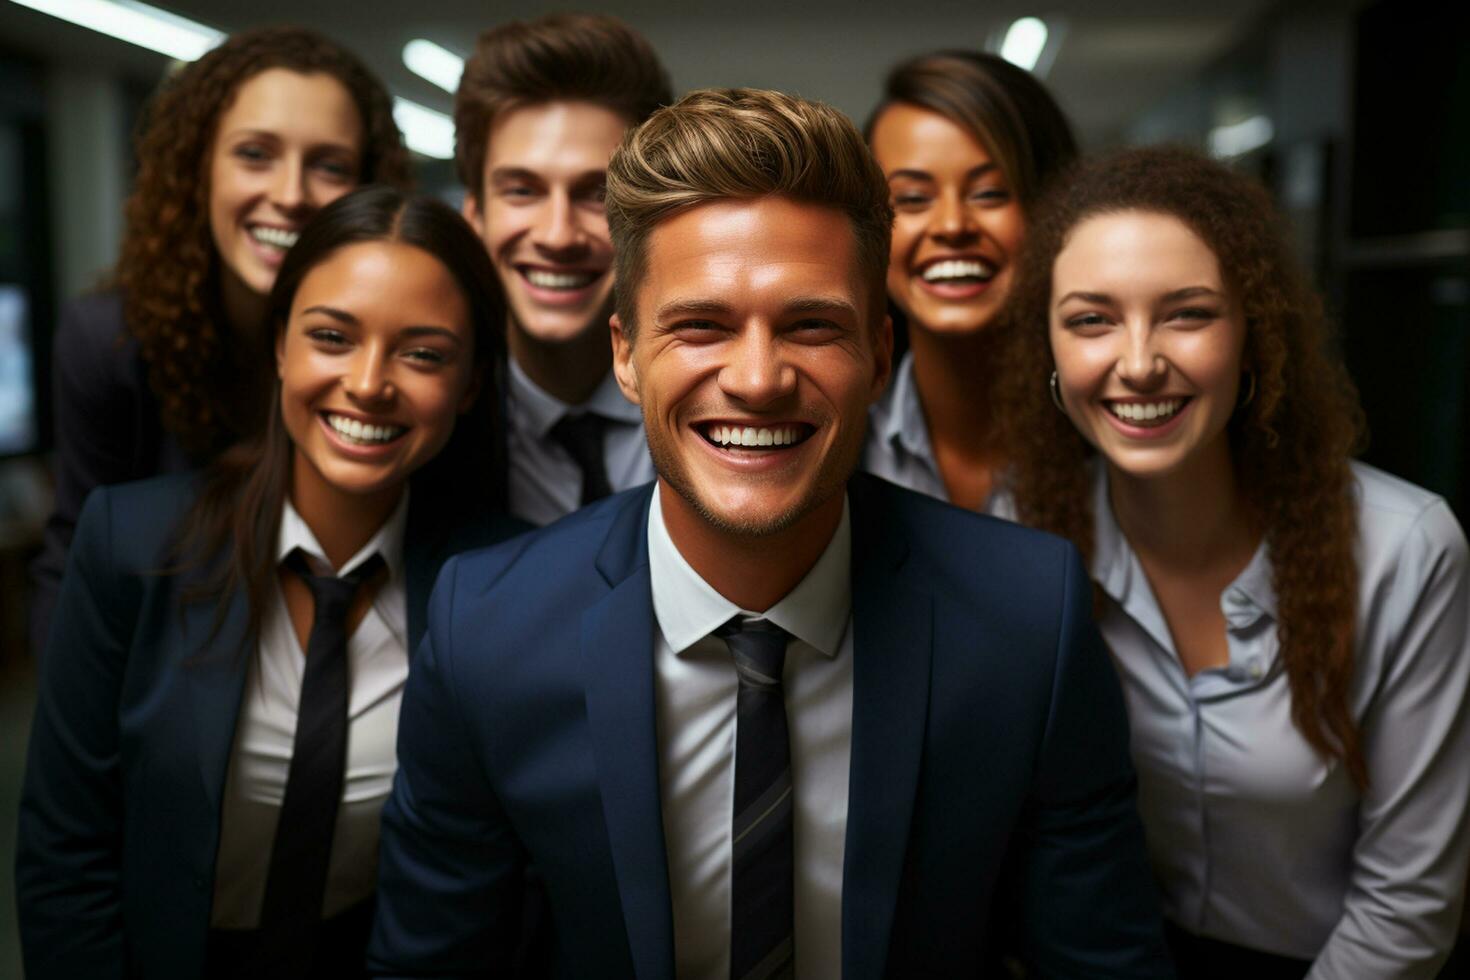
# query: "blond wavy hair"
x,y
742,144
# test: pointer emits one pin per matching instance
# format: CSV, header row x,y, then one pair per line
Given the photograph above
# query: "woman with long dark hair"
x,y
159,372
1291,627
219,695
967,141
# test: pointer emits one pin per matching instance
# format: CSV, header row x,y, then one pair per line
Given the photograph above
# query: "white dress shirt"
x,y
898,447
377,665
545,482
1253,837
695,686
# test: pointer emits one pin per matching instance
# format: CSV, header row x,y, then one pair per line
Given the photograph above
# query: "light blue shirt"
x,y
545,482
898,447
1253,837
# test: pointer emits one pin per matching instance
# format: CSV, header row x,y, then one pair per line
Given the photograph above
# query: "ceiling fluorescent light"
x,y
1024,41
137,23
1240,138
439,65
424,130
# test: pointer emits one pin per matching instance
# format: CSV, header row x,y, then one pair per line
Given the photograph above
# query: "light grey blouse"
x,y
898,447
1254,838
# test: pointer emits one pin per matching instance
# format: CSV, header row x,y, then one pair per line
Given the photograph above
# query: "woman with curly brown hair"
x,y
1290,626
967,141
235,152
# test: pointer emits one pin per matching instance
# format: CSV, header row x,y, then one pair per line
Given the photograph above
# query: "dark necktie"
x,y
762,910
581,436
297,880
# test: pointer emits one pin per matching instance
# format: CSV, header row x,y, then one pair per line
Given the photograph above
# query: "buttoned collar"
x,y
898,417
1116,569
388,542
688,609
537,411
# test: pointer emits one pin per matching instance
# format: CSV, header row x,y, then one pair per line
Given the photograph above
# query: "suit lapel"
x,y
892,638
617,651
430,538
216,682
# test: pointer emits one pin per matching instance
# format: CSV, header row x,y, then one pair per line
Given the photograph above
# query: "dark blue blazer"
x,y
120,813
107,430
990,760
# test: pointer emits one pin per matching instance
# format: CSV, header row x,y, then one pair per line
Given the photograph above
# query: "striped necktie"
x,y
762,909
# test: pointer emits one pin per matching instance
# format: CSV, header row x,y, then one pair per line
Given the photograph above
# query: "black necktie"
x,y
297,880
581,436
762,910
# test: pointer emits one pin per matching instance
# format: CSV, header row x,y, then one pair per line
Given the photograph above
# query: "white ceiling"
x,y
1114,59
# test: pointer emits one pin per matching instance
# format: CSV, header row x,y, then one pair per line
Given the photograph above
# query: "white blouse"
x,y
377,664
1254,838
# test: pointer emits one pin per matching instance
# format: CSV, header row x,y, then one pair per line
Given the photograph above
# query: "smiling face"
x,y
375,363
957,225
287,145
755,358
1147,340
541,216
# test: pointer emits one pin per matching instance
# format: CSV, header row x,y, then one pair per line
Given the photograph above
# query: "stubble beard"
x,y
831,479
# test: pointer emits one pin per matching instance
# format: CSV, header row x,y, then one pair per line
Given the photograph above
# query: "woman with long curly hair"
x,y
156,373
967,141
216,727
1291,627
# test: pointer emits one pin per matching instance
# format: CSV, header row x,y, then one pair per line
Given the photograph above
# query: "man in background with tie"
x,y
541,106
763,718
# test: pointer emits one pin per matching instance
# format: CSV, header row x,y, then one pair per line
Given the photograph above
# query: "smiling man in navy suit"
x,y
763,718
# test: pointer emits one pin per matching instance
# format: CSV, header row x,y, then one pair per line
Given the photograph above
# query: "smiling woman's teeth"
x,y
353,431
559,280
735,435
957,269
275,237
1146,413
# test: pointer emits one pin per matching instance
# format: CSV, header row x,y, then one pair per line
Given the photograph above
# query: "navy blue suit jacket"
x,y
120,814
989,757
107,428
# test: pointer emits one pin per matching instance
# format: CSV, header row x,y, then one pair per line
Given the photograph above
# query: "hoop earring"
x,y
1056,393
1250,388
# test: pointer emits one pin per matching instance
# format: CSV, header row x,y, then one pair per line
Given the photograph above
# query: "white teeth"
x,y
1146,411
275,237
559,280
957,269
355,431
735,435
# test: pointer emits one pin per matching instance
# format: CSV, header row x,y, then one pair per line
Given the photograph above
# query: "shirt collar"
x,y
688,608
898,416
538,411
1254,582
1112,565
1115,568
388,542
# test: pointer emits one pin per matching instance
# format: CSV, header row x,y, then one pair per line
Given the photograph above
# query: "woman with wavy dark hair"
x,y
236,151
215,733
1291,627
967,141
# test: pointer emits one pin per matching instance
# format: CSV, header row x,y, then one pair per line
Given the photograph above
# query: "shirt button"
x,y
1256,668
